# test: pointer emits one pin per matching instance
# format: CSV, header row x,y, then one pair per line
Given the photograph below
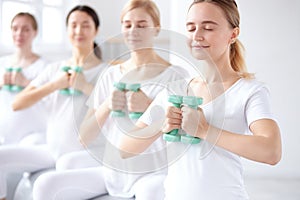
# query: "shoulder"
x,y
178,87
252,85
178,70
4,60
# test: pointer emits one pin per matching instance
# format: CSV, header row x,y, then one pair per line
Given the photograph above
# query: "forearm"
x,y
87,89
140,139
31,95
92,124
260,148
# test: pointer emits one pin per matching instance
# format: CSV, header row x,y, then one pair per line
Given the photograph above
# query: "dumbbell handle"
x,y
173,135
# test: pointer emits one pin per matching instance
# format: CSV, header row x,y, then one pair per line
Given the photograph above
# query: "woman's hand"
x,y
137,101
194,122
5,79
17,78
117,100
77,81
173,119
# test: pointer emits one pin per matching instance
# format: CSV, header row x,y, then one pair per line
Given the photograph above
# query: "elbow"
x,y
125,154
16,106
275,158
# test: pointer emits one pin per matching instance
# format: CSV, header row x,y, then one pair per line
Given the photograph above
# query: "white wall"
x,y
270,32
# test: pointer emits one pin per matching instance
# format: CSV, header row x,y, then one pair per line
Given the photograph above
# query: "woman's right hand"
x,y
117,100
173,119
5,79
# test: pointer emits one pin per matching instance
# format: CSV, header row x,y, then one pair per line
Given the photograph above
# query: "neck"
x,y
143,57
23,53
23,57
81,55
84,58
219,70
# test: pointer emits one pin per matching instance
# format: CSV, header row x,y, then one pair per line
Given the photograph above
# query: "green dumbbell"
x,y
16,88
121,87
134,88
173,135
7,87
71,91
192,102
13,88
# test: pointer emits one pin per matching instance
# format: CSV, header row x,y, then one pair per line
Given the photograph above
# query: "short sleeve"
x,y
259,106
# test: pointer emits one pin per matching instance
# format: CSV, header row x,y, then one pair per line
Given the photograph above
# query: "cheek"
x,y
189,41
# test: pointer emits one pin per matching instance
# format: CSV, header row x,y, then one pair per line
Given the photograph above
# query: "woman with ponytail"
x,y
234,120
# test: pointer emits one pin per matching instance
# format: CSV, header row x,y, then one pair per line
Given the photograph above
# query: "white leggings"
x,y
76,160
22,159
78,184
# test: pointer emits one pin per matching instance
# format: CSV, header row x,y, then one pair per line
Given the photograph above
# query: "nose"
x,y
133,30
198,35
78,29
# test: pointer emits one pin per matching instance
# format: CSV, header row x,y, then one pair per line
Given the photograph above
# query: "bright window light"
x,y
53,2
9,10
52,26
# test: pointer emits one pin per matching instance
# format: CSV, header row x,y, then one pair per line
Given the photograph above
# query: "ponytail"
x,y
237,60
97,51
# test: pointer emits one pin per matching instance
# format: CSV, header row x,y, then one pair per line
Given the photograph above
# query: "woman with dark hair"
x,y
65,85
16,71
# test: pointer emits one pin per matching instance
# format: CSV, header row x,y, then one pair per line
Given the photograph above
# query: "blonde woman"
x,y
234,121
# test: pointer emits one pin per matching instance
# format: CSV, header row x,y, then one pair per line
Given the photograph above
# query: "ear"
x,y
235,34
157,30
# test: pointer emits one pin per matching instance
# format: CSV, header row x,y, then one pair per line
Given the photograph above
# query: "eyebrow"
x,y
204,22
140,21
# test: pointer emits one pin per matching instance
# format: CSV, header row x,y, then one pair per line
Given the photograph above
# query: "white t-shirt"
x,y
204,171
14,126
121,174
66,112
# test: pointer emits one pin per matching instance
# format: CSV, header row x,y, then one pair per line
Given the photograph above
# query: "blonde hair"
x,y
149,6
232,15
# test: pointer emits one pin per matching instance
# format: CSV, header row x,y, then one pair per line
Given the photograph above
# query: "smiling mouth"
x,y
133,41
200,47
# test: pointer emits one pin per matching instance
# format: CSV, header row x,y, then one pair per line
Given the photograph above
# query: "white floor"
x,y
273,188
257,188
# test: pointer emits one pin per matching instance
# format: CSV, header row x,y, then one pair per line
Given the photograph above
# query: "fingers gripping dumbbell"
x,y
134,88
121,87
13,88
71,91
192,102
178,101
173,136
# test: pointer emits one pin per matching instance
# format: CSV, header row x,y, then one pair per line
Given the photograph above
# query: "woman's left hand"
x,y
194,122
19,79
77,81
137,101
